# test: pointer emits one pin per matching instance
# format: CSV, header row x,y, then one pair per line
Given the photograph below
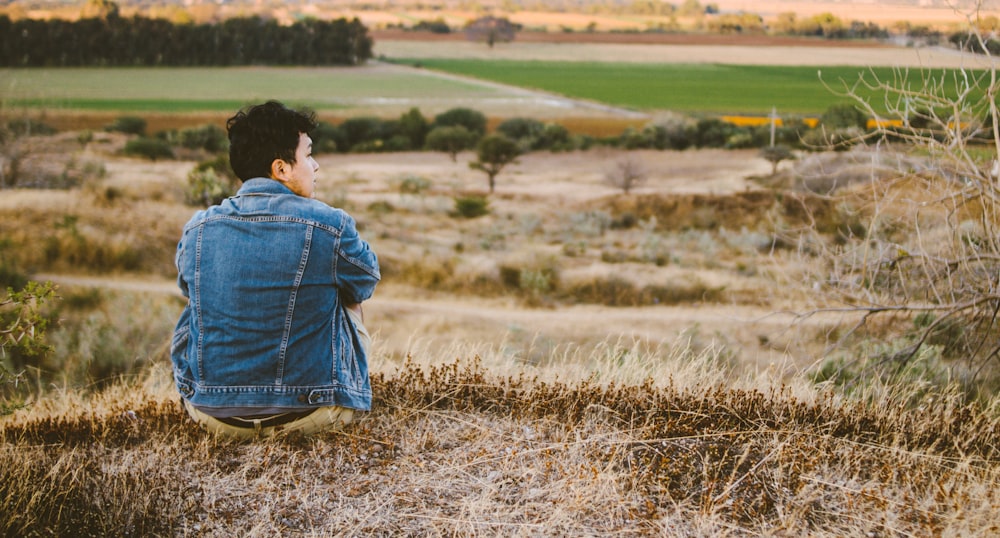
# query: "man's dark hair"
x,y
262,133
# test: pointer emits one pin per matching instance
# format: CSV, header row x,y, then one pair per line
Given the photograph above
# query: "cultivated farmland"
x,y
709,89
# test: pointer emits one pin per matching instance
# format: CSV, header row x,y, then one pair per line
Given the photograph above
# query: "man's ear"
x,y
278,170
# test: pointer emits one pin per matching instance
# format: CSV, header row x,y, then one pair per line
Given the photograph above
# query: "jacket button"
x,y
302,398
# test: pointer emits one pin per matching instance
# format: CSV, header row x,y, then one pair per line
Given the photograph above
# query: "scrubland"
x,y
576,361
469,448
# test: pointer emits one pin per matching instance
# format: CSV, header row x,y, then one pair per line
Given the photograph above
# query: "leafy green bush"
x,y
23,329
211,182
451,140
206,188
712,133
398,142
29,127
555,137
414,126
525,131
473,120
149,148
470,207
843,116
210,138
672,132
128,125
328,138
360,134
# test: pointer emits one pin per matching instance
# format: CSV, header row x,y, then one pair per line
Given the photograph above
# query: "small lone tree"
x,y
776,154
627,173
450,140
491,30
494,153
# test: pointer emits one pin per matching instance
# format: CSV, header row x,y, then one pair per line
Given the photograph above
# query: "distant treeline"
x,y
140,41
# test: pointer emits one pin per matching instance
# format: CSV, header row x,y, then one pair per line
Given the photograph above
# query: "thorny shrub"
x,y
22,337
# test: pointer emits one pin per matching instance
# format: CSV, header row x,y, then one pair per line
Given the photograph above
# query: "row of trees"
x,y
788,23
452,131
118,41
491,29
461,128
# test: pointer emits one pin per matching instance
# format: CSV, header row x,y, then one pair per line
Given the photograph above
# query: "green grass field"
x,y
710,89
689,88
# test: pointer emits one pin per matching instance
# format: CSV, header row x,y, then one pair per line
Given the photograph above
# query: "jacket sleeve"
x,y
357,270
181,283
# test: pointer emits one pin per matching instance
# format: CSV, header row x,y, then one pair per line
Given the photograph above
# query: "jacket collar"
x,y
263,185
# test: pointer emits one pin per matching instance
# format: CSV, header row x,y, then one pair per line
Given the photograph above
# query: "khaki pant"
x,y
323,418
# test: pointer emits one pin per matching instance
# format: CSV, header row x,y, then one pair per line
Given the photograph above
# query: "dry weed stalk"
x,y
921,266
626,173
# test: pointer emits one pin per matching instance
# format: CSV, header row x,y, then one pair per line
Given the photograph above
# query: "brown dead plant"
x,y
928,250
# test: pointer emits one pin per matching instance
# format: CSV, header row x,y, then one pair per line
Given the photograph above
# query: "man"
x,y
272,337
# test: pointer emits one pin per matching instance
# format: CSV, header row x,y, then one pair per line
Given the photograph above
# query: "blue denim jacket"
x,y
267,274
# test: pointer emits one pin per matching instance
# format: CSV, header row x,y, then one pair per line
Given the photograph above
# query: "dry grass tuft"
x,y
457,449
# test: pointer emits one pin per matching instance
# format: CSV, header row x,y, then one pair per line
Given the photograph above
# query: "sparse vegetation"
x,y
553,359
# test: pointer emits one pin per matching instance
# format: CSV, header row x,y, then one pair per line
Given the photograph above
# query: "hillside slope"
x,y
459,450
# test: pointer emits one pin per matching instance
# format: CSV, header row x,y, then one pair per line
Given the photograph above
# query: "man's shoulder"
x,y
313,210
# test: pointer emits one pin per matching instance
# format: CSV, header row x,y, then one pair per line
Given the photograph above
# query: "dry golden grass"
x,y
460,449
